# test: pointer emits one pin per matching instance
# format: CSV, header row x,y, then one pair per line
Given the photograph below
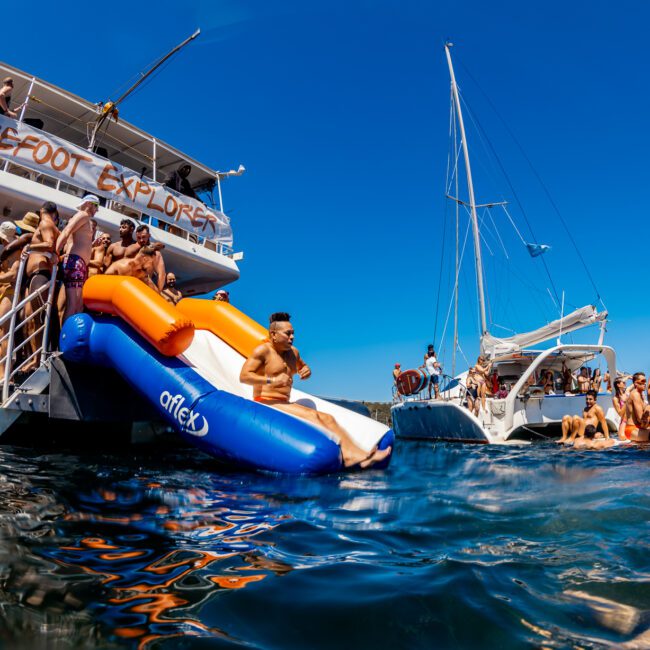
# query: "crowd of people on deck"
x,y
81,251
630,397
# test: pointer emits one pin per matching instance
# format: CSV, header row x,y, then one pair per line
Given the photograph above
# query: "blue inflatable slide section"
x,y
236,430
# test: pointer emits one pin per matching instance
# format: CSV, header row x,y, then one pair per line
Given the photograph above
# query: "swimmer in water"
x,y
270,369
593,440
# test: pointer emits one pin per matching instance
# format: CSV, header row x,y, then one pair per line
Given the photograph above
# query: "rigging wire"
x,y
444,224
483,133
542,184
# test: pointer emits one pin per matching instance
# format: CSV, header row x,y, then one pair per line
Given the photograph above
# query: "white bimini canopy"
x,y
583,317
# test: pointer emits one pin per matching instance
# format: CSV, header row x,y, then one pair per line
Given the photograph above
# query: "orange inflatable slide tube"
x,y
225,321
158,321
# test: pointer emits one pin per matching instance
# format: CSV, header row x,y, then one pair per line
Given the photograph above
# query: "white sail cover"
x,y
583,317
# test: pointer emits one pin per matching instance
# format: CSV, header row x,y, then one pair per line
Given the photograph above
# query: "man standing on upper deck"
x,y
75,242
177,181
143,240
117,250
5,97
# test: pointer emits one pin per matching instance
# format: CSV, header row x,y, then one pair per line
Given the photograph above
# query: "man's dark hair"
x,y
127,222
590,431
430,346
279,317
593,393
142,227
50,208
636,375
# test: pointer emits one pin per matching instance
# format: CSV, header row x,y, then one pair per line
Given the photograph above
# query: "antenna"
x,y
110,108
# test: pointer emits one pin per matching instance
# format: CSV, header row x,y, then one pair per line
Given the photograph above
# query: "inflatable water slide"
x,y
186,361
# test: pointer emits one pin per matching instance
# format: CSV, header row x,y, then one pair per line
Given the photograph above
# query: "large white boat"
x,y
60,148
530,410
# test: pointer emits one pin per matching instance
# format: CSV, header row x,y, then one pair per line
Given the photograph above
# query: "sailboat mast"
x,y
472,201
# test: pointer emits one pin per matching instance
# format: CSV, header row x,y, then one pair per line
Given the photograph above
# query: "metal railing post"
x,y
48,315
12,327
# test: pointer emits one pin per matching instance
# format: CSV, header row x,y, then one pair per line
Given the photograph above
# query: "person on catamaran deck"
x,y
637,412
481,374
434,370
397,371
270,370
583,379
573,426
5,98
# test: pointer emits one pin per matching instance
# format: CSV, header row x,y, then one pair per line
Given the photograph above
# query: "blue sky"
x,y
339,111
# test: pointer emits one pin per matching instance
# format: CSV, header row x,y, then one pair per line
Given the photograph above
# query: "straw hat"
x,y
7,231
29,222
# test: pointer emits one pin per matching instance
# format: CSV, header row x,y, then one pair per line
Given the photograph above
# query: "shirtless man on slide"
x,y
270,371
637,412
574,426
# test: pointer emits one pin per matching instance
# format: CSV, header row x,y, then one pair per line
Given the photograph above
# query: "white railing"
x,y
123,209
15,325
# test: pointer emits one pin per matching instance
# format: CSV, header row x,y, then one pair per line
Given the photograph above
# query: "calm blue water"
x,y
452,547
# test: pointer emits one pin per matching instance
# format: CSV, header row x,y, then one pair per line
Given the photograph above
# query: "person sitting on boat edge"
x,y
618,400
573,426
270,369
637,412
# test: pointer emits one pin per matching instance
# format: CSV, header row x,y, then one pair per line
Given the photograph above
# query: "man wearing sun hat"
x,y
75,244
7,233
29,223
221,296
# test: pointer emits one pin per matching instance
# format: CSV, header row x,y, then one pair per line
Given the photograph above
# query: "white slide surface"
x,y
220,365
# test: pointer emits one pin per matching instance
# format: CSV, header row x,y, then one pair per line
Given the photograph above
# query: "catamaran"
x,y
531,410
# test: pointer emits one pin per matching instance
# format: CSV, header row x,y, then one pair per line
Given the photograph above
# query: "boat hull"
x,y
437,420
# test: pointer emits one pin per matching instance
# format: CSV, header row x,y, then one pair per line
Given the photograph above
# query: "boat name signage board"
x,y
53,156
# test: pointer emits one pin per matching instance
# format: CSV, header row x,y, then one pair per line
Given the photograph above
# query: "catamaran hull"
x,y
437,420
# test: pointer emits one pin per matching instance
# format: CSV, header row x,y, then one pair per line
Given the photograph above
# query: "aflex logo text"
x,y
184,416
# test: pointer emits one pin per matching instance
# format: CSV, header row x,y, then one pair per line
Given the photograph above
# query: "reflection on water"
x,y
451,547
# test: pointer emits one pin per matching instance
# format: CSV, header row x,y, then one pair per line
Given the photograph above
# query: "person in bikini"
x,y
481,373
618,400
573,426
270,369
584,381
39,273
637,412
75,243
117,250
